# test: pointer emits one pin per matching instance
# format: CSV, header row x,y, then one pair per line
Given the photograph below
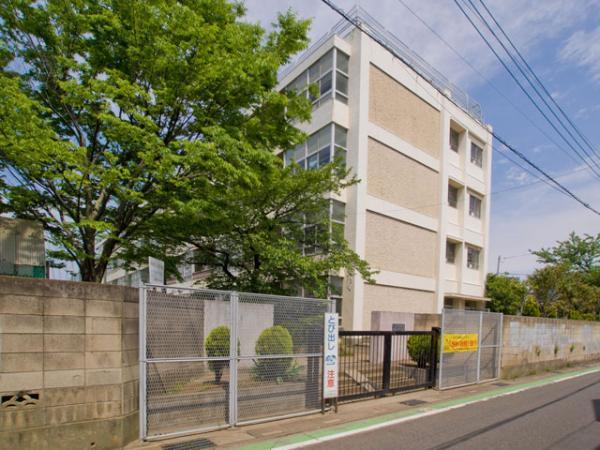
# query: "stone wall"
x,y
532,344
68,364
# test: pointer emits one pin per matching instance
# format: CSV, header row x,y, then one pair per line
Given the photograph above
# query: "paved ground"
x,y
564,415
357,415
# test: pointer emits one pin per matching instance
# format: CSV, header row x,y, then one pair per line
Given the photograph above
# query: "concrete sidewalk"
x,y
358,415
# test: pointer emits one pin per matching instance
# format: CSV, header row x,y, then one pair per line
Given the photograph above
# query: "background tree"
x,y
507,293
579,254
112,109
272,238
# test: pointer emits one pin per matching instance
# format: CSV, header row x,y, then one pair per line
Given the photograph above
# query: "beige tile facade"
x,y
400,247
405,182
395,108
389,298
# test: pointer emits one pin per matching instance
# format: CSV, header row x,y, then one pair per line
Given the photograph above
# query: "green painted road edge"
x,y
360,425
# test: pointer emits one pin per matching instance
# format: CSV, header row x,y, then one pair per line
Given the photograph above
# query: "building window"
x,y
320,148
452,196
471,305
476,155
474,206
473,257
325,78
454,139
315,232
450,252
448,303
335,292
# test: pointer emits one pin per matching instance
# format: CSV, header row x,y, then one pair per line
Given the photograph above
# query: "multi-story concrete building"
x,y
420,214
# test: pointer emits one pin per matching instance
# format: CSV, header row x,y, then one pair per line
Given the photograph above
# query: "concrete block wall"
x,y
532,344
68,364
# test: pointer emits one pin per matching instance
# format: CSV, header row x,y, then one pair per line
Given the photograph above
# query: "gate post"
x,y
142,358
233,358
433,354
387,360
479,346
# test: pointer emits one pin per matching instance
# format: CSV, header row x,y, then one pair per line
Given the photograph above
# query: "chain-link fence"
x,y
470,347
213,359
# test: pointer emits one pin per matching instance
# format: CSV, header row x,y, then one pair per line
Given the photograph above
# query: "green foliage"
x,y
115,113
419,347
275,340
531,308
216,344
580,254
507,293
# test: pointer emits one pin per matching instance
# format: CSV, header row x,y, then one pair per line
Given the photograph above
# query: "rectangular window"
x,y
449,303
476,155
471,305
450,252
473,257
317,150
474,206
452,196
329,80
454,139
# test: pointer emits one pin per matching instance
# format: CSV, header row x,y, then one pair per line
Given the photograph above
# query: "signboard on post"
x,y
330,356
457,343
156,271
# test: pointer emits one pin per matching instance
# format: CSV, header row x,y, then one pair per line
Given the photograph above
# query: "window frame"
x,y
453,245
476,160
301,153
473,265
333,71
475,213
452,130
456,189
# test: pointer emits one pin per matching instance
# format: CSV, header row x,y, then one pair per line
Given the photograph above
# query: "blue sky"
x,y
561,41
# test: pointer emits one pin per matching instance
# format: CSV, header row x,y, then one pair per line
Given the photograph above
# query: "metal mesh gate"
x,y
211,359
470,347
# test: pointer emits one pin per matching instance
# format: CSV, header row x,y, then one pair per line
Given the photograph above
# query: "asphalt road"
x,y
564,415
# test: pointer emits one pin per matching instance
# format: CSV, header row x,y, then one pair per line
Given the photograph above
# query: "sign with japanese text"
x,y
455,343
330,356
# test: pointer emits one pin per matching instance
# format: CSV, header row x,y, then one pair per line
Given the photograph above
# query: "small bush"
x,y
217,345
418,349
276,340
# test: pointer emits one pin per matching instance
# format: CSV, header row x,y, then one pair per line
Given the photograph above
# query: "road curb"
x,y
303,439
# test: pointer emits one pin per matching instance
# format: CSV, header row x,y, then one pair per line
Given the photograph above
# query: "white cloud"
x,y
583,49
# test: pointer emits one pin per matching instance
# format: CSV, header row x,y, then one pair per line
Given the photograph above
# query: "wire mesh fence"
x,y
470,349
213,359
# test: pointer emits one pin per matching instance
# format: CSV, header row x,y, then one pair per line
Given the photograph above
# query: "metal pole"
x,y
479,346
233,358
498,265
441,352
500,346
142,358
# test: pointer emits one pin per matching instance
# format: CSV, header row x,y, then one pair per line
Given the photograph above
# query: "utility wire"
x,y
587,160
548,177
491,84
541,84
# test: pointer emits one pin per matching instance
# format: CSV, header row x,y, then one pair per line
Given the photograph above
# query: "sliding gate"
x,y
375,363
471,347
211,359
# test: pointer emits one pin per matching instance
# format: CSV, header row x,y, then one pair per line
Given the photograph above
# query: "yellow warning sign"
x,y
454,343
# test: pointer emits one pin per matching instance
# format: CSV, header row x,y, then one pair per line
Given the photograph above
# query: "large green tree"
x,y
111,110
273,238
507,293
577,253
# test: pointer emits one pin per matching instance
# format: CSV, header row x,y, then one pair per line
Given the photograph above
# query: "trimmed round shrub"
x,y
418,349
216,344
276,340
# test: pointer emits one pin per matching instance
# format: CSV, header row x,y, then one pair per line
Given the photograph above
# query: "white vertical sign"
x,y
330,356
156,271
